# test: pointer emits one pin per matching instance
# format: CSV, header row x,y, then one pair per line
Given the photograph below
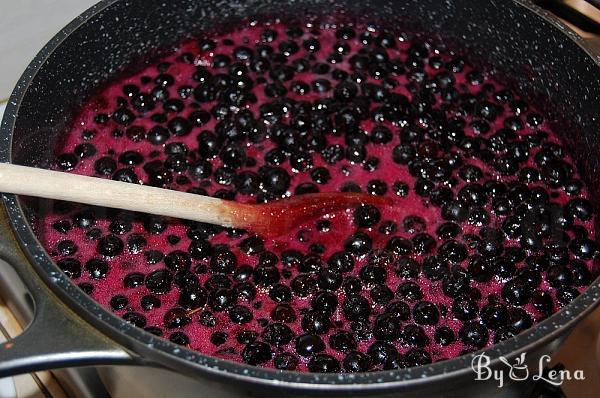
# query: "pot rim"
x,y
189,361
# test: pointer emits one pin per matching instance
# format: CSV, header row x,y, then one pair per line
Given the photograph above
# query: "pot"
x,y
68,329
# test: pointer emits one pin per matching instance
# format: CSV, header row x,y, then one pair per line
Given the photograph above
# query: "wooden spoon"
x,y
273,218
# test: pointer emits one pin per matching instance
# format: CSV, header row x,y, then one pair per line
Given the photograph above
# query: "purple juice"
x,y
490,231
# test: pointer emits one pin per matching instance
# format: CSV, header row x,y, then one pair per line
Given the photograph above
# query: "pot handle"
x,y
56,337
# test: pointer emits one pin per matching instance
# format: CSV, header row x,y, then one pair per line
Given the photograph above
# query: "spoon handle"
x,y
41,183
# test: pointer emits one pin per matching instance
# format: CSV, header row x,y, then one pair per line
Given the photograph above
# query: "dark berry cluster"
x,y
491,230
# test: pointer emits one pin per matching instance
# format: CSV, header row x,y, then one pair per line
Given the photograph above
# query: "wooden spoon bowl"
x,y
267,219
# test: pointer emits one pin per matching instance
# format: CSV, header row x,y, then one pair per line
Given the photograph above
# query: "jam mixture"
x,y
489,233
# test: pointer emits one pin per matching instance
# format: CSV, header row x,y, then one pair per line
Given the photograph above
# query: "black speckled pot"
x,y
540,55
